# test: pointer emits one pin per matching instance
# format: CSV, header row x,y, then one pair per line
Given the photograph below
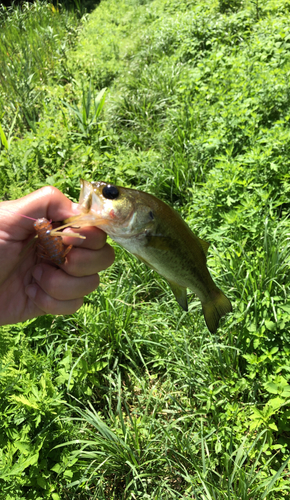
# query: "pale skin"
x,y
31,287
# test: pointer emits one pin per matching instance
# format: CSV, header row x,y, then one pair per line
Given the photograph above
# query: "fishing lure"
x,y
49,244
49,241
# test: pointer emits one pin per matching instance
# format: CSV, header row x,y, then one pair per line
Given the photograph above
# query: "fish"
x,y
157,235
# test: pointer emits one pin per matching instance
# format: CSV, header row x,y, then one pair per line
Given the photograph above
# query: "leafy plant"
x,y
6,141
87,117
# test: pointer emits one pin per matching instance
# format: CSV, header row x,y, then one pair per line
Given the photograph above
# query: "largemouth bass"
x,y
154,232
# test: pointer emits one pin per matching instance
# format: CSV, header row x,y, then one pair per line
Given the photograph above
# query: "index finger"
x,y
46,202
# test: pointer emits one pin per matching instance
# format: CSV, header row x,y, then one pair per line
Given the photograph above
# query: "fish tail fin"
x,y
217,307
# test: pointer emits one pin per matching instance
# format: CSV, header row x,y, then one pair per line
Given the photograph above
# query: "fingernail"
x,y
37,273
31,290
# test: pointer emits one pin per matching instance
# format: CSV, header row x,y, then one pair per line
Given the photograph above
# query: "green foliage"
x,y
6,141
33,43
130,397
87,120
230,5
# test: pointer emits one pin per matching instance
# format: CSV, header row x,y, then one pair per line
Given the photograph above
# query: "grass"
x,y
34,41
131,397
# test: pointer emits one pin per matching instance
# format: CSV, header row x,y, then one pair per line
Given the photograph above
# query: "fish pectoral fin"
x,y
204,245
157,241
86,197
143,260
180,295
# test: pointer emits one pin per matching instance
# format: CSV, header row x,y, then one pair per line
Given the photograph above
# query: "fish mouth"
x,y
83,219
96,215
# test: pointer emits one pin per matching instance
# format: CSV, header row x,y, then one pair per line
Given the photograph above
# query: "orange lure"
x,y
49,241
49,244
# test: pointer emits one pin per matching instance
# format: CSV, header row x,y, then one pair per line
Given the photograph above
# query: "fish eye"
x,y
110,192
151,215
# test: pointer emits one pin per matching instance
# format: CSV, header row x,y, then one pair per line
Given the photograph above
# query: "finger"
x,y
46,202
49,305
84,262
62,286
95,238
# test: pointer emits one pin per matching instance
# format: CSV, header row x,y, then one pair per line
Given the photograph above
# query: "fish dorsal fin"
x,y
204,245
180,295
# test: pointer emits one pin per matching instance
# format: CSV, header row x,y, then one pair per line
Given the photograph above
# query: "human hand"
x,y
30,287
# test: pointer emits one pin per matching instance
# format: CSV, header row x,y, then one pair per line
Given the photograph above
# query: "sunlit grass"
x,y
33,43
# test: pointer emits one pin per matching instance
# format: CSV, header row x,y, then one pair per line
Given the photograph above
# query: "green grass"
x,y
33,46
131,397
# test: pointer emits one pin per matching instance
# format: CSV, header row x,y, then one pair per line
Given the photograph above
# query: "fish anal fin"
x,y
179,292
180,295
215,309
204,245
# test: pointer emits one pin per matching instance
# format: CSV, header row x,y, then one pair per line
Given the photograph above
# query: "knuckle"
x,y
76,304
49,191
102,237
111,255
53,306
93,284
108,257
51,283
45,302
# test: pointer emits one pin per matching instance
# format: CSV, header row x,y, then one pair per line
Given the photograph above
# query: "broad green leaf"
x,y
55,496
272,388
285,307
24,447
270,325
41,482
56,468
